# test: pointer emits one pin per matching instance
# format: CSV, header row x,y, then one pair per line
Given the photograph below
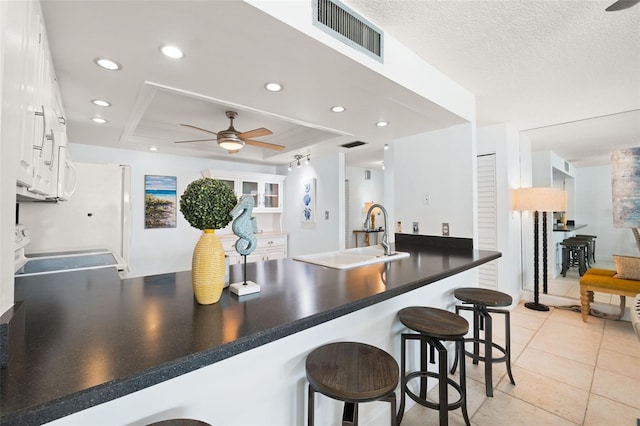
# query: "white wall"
x,y
155,251
504,141
594,204
324,234
362,190
441,164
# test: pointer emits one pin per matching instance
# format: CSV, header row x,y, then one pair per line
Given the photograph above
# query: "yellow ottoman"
x,y
602,280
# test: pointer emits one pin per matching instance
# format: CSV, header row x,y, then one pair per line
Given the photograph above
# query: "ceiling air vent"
x,y
353,144
344,24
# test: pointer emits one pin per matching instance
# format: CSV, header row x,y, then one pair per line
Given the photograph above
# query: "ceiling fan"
x,y
233,140
621,5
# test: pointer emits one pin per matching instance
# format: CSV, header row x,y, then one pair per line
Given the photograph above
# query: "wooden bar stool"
x,y
431,327
574,253
483,303
353,373
591,239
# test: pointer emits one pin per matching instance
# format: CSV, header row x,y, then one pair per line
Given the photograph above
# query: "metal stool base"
x,y
443,405
482,320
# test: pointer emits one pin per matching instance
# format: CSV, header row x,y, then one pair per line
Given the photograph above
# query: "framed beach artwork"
x,y
159,201
308,198
625,187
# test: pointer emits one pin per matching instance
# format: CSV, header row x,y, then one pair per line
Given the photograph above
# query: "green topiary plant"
x,y
206,204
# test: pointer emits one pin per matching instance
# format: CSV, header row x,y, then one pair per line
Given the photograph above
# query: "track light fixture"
x,y
296,161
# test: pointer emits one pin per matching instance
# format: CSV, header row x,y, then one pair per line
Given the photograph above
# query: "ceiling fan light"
x,y
230,144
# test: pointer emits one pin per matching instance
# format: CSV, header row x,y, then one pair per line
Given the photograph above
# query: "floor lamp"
x,y
539,199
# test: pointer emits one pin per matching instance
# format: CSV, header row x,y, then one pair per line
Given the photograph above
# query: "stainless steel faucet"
x,y
385,237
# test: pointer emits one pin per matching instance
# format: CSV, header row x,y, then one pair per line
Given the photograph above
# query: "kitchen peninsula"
x,y
102,350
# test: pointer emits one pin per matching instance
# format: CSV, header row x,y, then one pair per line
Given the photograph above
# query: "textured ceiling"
x,y
533,64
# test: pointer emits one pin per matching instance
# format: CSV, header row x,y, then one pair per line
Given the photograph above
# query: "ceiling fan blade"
x,y
263,144
255,133
621,5
195,140
198,128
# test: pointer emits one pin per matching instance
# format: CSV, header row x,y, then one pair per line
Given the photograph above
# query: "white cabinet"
x,y
32,106
270,247
266,189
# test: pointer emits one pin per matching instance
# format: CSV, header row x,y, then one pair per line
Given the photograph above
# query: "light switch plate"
x,y
445,229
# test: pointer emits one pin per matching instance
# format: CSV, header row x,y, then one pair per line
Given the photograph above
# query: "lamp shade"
x,y
540,198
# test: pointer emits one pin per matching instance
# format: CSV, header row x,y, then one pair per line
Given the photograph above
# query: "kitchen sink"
x,y
351,258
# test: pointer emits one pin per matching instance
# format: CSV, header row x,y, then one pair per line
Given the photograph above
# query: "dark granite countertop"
x,y
91,337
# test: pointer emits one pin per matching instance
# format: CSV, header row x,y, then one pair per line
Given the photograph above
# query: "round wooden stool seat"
x,y
434,322
179,422
353,373
350,371
430,327
482,296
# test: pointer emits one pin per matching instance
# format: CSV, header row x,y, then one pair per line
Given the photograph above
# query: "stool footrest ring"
x,y
475,357
434,405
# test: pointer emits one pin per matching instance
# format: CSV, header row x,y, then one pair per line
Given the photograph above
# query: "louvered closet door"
x,y
487,217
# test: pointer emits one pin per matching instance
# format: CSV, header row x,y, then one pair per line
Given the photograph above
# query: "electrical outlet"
x,y
445,229
427,199
326,215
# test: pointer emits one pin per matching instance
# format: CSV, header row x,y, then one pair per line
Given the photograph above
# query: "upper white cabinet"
x,y
266,189
33,117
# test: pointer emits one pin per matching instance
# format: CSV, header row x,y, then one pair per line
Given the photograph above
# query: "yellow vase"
x,y
207,268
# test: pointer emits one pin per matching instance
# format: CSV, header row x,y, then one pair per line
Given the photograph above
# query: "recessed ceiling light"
x,y
101,102
382,124
108,64
273,87
153,148
171,51
338,108
99,120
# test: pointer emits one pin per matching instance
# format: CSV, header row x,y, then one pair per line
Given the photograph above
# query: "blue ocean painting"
x,y
160,201
625,187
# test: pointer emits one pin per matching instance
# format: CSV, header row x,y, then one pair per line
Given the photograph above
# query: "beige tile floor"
x,y
567,372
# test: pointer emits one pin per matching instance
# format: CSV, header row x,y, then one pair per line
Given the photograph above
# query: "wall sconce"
x,y
296,161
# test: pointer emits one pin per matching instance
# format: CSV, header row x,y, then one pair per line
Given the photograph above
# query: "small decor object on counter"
x,y
245,227
206,204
